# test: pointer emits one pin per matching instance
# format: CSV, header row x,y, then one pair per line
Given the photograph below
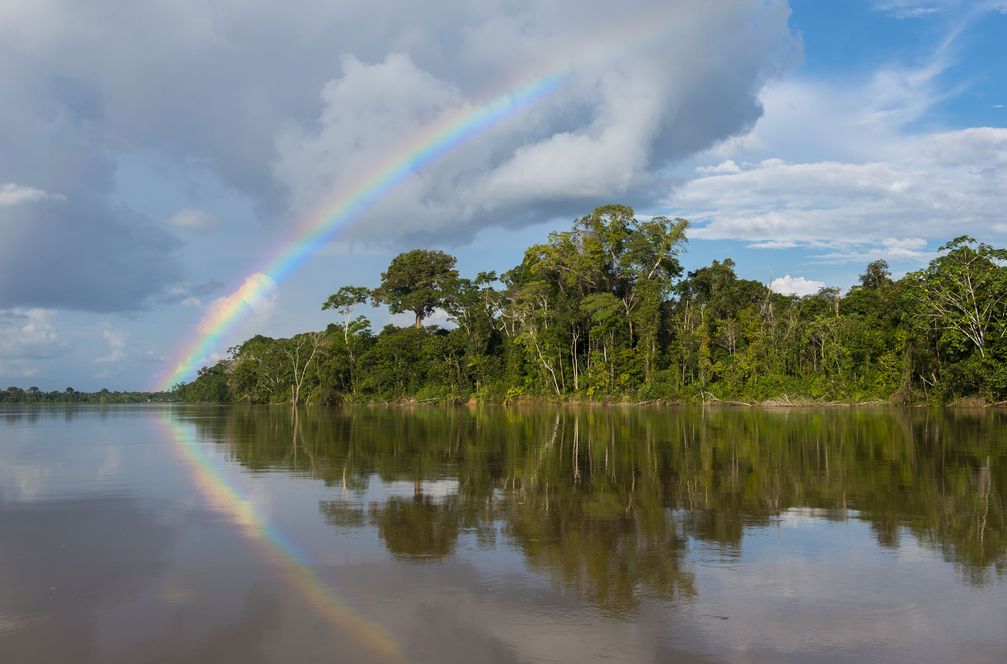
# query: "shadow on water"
x,y
607,501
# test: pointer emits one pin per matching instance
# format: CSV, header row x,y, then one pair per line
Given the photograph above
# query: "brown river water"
x,y
247,535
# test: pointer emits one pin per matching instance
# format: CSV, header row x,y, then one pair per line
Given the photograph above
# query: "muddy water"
x,y
189,534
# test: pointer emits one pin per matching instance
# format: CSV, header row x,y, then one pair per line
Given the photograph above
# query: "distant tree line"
x,y
69,395
604,311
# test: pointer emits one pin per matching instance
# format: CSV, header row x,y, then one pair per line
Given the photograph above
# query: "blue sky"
x,y
152,159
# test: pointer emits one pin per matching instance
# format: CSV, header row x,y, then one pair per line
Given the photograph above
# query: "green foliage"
x,y
602,311
33,395
418,281
211,386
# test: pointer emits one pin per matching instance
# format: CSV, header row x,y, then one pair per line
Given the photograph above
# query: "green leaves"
x,y
418,281
346,298
601,310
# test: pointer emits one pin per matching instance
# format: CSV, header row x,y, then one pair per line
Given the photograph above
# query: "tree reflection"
x,y
606,501
417,527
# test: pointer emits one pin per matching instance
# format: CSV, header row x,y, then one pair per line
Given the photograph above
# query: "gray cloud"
x,y
83,253
605,134
288,103
195,220
76,249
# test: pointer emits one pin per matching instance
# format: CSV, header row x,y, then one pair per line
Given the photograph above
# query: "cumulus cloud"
x,y
954,182
29,334
310,98
116,340
582,144
193,220
872,186
788,285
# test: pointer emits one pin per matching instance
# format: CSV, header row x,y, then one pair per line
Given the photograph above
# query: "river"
x,y
492,534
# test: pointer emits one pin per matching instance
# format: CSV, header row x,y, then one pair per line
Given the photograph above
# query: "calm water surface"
x,y
190,534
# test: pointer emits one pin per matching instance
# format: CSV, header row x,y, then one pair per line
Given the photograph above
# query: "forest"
x,y
605,312
34,395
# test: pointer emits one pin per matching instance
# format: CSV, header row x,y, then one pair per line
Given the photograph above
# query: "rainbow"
x,y
224,497
424,148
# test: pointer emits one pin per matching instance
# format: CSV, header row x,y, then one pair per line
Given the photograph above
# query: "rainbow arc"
x,y
435,140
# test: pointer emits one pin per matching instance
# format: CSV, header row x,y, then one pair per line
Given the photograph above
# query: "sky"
x,y
155,157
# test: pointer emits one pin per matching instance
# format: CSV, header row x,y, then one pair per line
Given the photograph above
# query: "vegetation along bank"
x,y
604,311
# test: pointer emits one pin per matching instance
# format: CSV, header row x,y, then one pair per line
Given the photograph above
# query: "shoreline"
x,y
775,403
783,402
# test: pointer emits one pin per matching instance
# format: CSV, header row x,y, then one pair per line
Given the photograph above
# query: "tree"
x,y
602,310
964,293
418,281
301,351
876,275
343,302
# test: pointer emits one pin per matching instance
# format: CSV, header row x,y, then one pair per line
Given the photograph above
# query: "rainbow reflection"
x,y
225,498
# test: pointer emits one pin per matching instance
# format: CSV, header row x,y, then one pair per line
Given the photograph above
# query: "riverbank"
x,y
780,402
703,399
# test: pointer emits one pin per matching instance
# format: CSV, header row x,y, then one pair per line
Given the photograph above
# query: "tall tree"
x,y
876,275
964,293
419,281
301,352
343,301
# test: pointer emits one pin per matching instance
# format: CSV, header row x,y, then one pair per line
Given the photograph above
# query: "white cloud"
x,y
438,318
13,194
948,183
912,249
727,166
116,340
193,220
29,334
844,169
775,244
788,285
911,8
904,9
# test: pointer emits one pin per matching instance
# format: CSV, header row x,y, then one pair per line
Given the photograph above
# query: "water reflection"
x,y
607,502
501,535
73,553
